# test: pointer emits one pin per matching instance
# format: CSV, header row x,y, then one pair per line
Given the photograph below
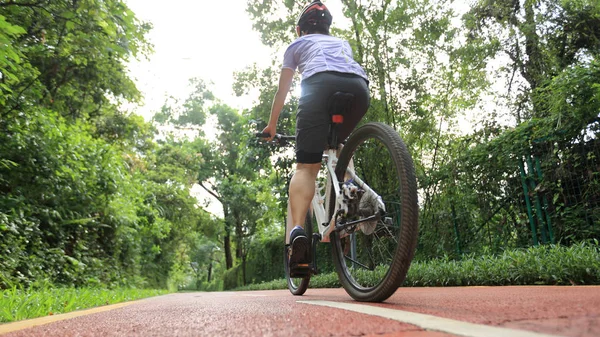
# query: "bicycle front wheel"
x,y
372,258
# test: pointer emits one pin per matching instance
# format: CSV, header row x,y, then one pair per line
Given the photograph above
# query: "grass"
x,y
17,304
541,265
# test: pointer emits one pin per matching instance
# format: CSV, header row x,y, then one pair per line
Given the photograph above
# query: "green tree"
x,y
87,197
541,38
227,165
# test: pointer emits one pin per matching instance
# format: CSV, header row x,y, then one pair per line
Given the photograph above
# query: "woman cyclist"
x,y
326,66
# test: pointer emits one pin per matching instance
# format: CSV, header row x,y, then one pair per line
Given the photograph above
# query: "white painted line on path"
x,y
429,322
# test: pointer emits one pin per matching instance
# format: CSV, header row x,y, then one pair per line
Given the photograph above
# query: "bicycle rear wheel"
x,y
372,262
298,285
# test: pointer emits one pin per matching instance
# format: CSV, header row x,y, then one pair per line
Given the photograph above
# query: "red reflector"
x,y
338,119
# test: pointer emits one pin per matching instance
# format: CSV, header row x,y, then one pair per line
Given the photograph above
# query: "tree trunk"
x,y
244,270
533,64
227,246
239,235
209,270
227,239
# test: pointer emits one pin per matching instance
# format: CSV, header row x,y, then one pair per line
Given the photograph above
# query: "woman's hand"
x,y
270,130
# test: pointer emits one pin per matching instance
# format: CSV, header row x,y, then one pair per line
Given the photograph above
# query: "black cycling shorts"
x,y
313,119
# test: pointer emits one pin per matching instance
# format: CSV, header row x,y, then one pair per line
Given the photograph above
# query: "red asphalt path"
x,y
564,311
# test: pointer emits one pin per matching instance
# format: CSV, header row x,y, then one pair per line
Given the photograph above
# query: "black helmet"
x,y
314,14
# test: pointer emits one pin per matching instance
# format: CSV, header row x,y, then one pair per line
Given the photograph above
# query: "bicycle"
x,y
369,213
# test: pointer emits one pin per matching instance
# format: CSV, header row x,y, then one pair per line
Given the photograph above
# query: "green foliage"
x,y
10,58
75,55
83,211
570,100
552,265
270,285
192,112
477,200
265,258
18,304
543,265
216,285
233,278
87,197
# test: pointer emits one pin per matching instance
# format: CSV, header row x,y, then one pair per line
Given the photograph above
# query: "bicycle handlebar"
x,y
278,138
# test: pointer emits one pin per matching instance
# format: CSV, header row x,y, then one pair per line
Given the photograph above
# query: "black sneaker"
x,y
299,246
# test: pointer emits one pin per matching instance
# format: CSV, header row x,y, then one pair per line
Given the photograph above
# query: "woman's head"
x,y
315,18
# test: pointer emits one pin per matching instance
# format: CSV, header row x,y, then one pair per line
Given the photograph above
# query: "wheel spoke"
x,y
358,263
373,262
387,228
383,256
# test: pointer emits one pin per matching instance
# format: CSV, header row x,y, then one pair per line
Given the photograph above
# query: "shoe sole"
x,y
299,250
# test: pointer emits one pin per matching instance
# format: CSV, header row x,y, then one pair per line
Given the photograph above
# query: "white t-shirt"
x,y
315,53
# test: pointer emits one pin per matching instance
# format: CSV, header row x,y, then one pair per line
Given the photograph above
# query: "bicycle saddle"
x,y
339,104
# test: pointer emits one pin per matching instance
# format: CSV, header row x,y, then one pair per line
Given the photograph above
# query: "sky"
x,y
199,38
194,39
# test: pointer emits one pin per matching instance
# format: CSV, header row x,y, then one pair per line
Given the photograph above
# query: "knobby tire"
x,y
408,227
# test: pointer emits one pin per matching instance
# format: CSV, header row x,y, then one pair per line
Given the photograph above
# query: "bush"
x,y
215,285
549,265
265,259
232,278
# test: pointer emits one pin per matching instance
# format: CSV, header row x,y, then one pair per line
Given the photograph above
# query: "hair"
x,y
318,29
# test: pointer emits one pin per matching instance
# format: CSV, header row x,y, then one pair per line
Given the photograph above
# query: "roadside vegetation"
x,y
544,265
19,304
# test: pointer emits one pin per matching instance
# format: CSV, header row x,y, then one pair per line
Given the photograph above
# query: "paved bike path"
x,y
557,311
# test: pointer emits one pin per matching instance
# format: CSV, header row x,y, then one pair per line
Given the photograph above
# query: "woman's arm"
x,y
285,83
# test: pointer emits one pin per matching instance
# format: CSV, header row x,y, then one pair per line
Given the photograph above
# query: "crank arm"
x,y
341,227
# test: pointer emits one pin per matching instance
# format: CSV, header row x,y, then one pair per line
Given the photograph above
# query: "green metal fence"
x,y
547,193
569,186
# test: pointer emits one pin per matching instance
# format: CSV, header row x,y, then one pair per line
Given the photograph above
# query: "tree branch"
x,y
352,6
210,192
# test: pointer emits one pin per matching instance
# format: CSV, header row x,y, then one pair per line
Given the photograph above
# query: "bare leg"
x,y
301,192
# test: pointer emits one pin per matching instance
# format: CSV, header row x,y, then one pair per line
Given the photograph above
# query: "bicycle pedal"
x,y
300,270
299,266
299,275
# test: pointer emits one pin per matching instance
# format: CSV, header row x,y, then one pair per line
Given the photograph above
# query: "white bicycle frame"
x,y
320,203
